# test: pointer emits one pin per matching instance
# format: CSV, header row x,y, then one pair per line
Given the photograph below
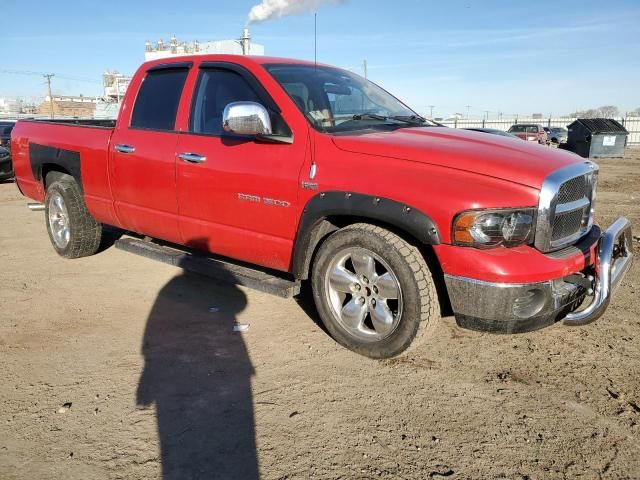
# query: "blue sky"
x,y
544,56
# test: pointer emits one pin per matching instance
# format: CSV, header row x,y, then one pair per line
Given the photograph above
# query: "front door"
x,y
143,153
236,196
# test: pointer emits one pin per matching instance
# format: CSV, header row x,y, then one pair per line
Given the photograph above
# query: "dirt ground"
x,y
116,366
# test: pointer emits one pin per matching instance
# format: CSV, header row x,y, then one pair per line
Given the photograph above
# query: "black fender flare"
x,y
314,227
40,155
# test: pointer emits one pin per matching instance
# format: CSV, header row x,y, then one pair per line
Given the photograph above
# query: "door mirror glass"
x,y
246,118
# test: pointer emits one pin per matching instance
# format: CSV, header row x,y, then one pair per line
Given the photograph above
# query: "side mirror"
x,y
246,118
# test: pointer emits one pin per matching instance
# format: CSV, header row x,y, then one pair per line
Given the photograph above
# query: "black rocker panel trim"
x,y
380,209
44,154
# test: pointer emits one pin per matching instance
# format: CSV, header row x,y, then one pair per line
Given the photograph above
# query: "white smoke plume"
x,y
269,9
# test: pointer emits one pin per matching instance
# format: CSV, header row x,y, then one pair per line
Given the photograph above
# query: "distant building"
x,y
10,105
106,110
69,106
115,85
240,46
536,116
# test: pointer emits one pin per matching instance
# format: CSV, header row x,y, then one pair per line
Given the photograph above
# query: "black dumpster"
x,y
596,137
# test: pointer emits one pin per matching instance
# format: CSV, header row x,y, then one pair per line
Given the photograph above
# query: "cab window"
x,y
215,90
158,99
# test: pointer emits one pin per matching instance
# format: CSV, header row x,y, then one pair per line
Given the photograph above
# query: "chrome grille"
x,y
573,190
565,212
566,224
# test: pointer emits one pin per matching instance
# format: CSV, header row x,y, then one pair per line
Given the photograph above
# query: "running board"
x,y
212,267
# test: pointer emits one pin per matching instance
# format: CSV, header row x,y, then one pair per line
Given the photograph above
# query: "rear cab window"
x,y
158,99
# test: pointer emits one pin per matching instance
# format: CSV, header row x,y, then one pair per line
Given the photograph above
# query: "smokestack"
x,y
245,41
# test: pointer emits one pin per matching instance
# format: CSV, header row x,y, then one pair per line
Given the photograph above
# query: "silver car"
x,y
556,135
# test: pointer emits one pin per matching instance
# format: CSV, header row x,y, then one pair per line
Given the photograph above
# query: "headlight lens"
x,y
492,228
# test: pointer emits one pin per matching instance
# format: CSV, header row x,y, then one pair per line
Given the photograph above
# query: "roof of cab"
x,y
261,60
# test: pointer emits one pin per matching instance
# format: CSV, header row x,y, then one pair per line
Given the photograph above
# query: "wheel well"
x,y
47,168
330,224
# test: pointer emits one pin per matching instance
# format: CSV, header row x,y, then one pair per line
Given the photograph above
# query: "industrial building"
x,y
68,106
240,46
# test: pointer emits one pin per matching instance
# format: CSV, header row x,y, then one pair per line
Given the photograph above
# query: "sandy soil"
x,y
115,366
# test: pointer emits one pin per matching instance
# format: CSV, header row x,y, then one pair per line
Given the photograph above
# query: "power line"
x,y
63,77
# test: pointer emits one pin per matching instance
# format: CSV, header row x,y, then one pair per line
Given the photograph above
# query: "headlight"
x,y
491,228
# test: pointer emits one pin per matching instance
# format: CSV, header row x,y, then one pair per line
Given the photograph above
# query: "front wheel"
x,y
373,291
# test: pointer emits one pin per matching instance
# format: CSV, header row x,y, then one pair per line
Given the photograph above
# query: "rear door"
x,y
237,195
143,149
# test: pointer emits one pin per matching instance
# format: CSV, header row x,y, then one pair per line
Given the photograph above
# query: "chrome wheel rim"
x,y
364,294
59,221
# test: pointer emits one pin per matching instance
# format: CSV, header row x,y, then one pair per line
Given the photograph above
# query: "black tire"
x,y
85,233
420,308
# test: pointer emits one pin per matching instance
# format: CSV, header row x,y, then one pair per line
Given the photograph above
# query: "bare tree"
x,y
606,111
609,111
591,113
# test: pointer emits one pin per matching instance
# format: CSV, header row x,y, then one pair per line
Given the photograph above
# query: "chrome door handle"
x,y
124,148
192,157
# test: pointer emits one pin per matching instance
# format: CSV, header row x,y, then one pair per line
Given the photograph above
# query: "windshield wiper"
x,y
412,119
369,116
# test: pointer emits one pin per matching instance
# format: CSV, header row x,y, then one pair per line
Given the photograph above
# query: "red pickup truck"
x,y
316,172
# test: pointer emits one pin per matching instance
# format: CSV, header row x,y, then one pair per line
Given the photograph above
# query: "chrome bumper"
x,y
615,255
515,308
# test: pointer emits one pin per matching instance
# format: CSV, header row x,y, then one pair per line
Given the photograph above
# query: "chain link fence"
x,y
632,124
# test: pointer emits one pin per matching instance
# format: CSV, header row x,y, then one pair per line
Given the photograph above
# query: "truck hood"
x,y
509,159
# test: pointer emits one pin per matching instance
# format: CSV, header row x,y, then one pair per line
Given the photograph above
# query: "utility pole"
x,y
431,107
48,77
468,108
364,64
486,114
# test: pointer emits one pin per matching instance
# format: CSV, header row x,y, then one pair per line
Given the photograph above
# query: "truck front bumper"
x,y
522,307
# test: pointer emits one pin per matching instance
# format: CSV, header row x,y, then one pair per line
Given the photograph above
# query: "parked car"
x,y
493,131
6,171
317,173
5,133
556,135
529,132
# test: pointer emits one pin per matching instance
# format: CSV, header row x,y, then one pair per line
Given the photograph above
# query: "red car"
x,y
318,173
530,132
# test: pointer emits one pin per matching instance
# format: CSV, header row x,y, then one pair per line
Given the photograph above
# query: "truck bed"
x,y
80,146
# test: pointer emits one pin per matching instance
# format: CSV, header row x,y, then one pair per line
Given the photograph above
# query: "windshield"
x,y
335,100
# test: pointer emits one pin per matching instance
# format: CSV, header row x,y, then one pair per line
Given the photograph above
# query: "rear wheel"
x,y
73,232
373,290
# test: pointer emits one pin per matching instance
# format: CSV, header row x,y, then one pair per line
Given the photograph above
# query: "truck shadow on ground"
x,y
197,373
